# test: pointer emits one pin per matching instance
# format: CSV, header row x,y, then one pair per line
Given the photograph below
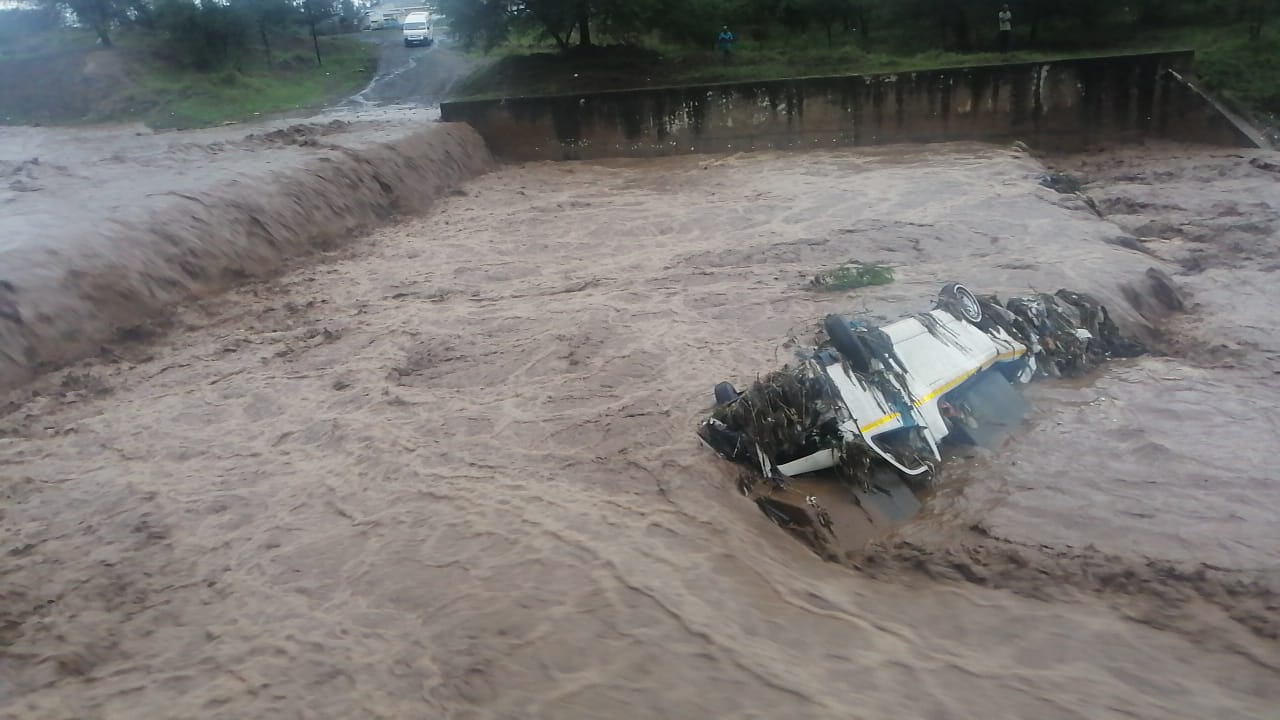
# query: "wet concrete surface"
x,y
411,75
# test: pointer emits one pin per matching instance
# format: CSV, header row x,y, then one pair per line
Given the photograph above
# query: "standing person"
x,y
724,42
1006,28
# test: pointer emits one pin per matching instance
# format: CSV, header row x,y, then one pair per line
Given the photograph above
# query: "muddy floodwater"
x,y
448,469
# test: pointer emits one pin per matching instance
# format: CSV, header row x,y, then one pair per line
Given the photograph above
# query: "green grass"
x,y
851,276
1245,71
43,80
171,97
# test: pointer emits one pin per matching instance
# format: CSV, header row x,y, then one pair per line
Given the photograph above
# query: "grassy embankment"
x,y
1244,70
65,78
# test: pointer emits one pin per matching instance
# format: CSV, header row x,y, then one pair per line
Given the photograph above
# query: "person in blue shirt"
x,y
724,42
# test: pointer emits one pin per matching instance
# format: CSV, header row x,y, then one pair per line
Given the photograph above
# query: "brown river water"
x,y
447,468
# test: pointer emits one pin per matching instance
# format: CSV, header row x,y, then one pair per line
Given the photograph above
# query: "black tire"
x,y
963,301
850,345
725,393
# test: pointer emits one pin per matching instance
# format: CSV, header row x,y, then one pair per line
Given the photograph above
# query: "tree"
x,y
137,12
349,13
478,22
582,12
317,11
556,18
627,20
267,17
1256,15
856,16
488,22
19,22
948,18
830,12
99,15
205,36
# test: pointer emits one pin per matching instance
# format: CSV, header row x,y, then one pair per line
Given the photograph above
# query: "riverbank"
x,y
105,229
64,77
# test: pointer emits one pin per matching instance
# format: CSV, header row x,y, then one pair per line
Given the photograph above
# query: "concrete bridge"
x,y
1057,105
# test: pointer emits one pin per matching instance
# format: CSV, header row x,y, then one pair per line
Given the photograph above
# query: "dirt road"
x,y
411,76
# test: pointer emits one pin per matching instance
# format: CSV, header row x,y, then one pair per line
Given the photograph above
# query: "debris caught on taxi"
x,y
873,406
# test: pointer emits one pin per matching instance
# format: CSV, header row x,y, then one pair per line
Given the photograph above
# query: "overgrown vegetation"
x,y
541,46
1246,70
176,63
205,35
169,96
851,276
897,25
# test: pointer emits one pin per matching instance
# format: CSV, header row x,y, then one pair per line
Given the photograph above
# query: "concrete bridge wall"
x,y
1059,105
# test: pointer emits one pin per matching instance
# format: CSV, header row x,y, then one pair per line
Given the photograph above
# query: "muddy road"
x,y
417,76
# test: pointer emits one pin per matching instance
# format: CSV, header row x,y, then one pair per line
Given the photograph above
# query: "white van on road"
x,y
417,29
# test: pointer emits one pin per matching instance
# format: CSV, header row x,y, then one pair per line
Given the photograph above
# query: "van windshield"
x,y
415,26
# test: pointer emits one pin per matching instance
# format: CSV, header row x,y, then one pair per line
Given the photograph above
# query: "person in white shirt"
x,y
1006,28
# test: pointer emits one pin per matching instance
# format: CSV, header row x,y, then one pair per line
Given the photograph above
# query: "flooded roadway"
x,y
417,76
450,469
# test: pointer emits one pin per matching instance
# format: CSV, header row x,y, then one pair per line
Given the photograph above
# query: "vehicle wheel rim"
x,y
969,305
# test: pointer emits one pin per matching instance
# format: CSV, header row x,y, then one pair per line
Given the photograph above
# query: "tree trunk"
x,y
315,40
553,29
98,14
863,28
829,43
266,42
960,26
584,24
102,27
